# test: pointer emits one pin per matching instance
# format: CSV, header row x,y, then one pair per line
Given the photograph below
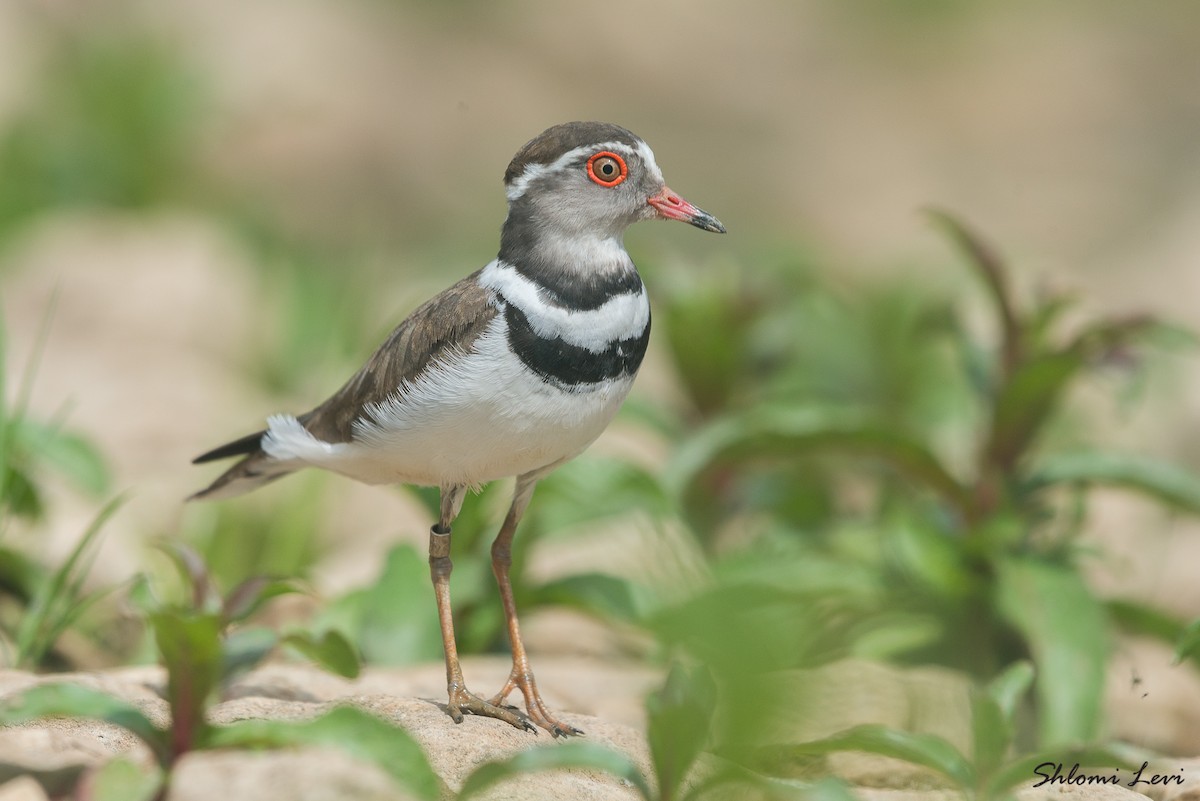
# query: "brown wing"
x,y
451,320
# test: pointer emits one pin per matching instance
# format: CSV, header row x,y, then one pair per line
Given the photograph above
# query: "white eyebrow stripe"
x,y
534,171
647,155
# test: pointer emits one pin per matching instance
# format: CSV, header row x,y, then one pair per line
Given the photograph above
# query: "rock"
x,y
1090,792
308,774
22,789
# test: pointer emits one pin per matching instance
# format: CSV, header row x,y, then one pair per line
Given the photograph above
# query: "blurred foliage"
x,y
203,646
201,605
39,602
965,557
238,541
316,296
59,597
111,124
990,772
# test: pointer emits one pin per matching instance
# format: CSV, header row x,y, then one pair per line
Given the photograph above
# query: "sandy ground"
x,y
857,693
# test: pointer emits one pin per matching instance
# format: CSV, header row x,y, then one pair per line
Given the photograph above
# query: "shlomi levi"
x,y
1052,773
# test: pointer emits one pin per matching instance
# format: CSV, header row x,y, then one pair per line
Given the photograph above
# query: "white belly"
x,y
474,418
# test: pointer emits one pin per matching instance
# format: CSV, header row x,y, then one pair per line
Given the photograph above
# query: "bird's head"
x,y
584,179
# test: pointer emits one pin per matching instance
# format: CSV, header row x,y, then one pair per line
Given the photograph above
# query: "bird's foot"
x,y
536,707
463,701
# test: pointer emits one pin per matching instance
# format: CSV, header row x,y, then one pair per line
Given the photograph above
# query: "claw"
x,y
564,730
537,711
464,701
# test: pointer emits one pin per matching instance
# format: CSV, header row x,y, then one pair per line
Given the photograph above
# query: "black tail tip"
x,y
239,447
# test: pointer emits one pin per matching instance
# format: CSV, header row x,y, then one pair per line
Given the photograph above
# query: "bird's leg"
x,y
460,699
521,675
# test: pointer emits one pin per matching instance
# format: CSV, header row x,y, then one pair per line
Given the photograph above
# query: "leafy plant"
x,y
203,649
110,124
359,733
229,648
967,556
238,541
58,598
990,771
37,603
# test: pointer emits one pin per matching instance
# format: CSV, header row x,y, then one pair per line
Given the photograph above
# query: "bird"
x,y
511,372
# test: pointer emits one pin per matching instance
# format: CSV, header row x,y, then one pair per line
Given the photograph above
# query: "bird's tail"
x,y
252,472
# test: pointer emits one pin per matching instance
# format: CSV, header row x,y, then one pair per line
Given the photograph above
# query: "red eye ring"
x,y
609,158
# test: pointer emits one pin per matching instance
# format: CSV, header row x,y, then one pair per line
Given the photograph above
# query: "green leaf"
x,y
828,789
1188,646
1026,401
1138,618
76,701
774,433
930,555
1168,484
594,489
19,575
122,780
77,459
141,595
991,733
731,778
330,650
994,273
1067,632
678,721
21,497
927,750
243,650
570,755
397,623
60,598
1043,763
194,572
1007,688
707,331
890,636
190,646
357,733
596,593
248,597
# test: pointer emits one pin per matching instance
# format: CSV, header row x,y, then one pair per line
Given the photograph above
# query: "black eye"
x,y
607,168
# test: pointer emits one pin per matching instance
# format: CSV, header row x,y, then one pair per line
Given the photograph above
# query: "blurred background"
x,y
213,211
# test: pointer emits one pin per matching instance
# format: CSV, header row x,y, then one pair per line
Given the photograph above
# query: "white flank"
x,y
469,419
620,317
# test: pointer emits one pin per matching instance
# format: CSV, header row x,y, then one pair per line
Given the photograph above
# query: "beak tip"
x,y
669,206
706,222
